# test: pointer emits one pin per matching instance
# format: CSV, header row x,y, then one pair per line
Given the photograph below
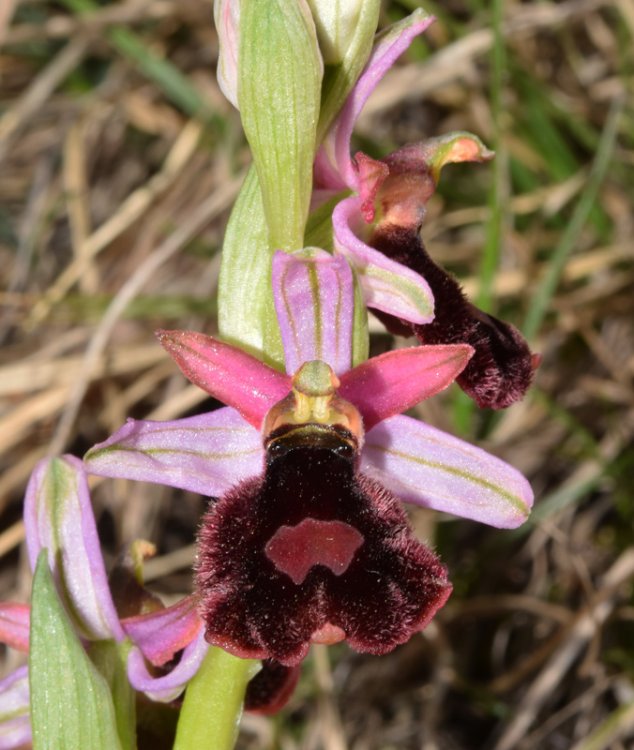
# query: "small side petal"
x,y
14,625
387,285
58,516
333,166
423,465
397,380
167,687
15,725
227,373
314,300
208,453
163,633
372,174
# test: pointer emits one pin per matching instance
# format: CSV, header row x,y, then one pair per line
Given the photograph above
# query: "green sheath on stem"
x,y
279,87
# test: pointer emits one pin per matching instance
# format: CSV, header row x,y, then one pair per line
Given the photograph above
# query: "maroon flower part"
x,y
286,558
502,366
271,688
388,214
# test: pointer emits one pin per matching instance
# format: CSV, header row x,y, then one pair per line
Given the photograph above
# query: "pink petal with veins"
x,y
314,301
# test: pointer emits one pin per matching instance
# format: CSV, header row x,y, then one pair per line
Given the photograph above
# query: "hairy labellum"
x,y
313,551
502,366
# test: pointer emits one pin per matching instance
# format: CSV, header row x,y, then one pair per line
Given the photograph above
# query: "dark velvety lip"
x,y
502,366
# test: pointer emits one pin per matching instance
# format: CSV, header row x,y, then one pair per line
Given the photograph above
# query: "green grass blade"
x,y
176,86
571,234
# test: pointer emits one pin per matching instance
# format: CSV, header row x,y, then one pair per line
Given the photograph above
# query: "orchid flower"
x,y
305,540
380,223
58,516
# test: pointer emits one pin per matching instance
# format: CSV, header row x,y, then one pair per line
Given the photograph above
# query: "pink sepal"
x,y
58,516
397,380
314,301
14,625
207,454
227,373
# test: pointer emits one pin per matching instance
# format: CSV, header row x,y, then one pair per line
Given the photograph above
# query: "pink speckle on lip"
x,y
294,550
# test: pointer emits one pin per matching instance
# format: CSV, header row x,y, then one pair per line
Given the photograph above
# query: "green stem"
x,y
210,716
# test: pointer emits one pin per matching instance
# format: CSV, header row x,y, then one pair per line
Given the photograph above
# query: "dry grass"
x,y
119,160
